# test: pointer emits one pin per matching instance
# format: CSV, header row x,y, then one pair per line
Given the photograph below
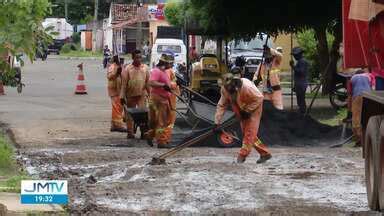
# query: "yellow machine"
x,y
205,73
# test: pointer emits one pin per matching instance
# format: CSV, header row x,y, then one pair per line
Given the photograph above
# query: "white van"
x,y
168,45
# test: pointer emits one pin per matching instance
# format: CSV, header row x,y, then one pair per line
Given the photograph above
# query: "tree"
x,y
21,29
245,18
78,10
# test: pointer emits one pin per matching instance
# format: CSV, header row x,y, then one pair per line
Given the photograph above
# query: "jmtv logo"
x,y
43,191
47,187
44,187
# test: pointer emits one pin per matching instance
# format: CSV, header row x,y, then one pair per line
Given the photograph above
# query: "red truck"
x,y
363,41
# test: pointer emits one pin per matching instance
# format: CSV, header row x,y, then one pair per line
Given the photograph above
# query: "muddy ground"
x,y
62,136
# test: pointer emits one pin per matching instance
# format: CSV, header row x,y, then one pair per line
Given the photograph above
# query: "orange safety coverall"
x,y
160,109
272,92
357,105
114,88
173,99
248,98
134,89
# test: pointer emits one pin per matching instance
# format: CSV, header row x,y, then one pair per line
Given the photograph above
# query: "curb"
x,y
3,210
74,58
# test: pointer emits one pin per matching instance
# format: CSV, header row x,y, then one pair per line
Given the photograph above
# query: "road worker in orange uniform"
x,y
247,103
135,88
270,74
114,87
174,88
160,104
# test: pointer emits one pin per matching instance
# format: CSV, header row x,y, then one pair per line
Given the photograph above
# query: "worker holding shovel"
x,y
247,103
159,103
270,74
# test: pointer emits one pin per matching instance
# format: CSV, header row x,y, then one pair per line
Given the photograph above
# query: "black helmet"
x,y
297,51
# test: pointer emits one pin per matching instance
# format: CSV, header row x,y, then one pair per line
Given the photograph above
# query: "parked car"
x,y
251,50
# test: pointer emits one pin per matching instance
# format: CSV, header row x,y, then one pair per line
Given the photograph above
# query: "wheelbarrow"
x,y
140,119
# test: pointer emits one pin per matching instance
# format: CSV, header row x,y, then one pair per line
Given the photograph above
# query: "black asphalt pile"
x,y
285,128
277,128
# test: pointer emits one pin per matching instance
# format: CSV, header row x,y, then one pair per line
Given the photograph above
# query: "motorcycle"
x,y
338,97
106,59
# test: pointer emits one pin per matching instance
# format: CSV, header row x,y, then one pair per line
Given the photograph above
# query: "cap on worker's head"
x,y
279,49
171,58
227,78
297,51
165,58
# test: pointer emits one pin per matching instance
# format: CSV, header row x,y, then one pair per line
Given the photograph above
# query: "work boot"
x,y
121,130
241,159
357,144
130,136
161,145
264,158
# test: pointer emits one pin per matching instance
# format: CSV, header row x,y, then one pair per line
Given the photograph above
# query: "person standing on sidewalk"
x,y
114,88
159,104
300,77
247,104
135,89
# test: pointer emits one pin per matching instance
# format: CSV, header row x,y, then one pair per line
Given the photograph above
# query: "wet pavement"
x,y
63,136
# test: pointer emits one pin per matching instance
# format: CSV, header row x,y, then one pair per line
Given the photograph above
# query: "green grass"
x,y
328,116
6,152
10,174
81,53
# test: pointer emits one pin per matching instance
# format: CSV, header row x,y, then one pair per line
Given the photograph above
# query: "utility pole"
x,y
66,9
139,29
94,30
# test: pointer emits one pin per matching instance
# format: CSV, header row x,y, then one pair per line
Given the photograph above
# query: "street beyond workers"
x,y
134,86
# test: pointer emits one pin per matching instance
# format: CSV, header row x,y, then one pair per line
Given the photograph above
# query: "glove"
x,y
167,88
179,82
245,115
257,81
122,101
216,128
292,63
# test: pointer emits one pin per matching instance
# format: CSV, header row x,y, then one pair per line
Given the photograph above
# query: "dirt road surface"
x,y
63,136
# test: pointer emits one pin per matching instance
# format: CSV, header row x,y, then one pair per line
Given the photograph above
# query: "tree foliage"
x,y
246,18
21,29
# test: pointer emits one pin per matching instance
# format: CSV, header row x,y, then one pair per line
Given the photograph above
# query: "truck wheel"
x,y
372,141
381,166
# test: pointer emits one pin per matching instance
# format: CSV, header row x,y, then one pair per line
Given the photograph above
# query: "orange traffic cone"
x,y
80,87
2,92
